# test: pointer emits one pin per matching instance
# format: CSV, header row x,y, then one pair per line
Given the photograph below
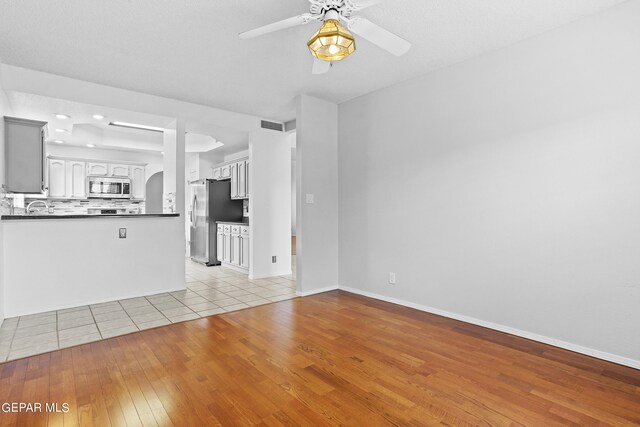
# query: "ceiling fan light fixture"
x,y
332,42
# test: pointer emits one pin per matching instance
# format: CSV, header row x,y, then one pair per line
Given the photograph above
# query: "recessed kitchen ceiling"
x,y
79,127
189,50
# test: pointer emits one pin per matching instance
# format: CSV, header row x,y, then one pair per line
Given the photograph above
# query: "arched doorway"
x,y
153,202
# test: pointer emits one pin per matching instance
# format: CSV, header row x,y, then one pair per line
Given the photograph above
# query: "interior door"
x,y
199,231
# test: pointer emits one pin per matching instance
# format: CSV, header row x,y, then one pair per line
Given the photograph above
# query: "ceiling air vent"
x,y
271,125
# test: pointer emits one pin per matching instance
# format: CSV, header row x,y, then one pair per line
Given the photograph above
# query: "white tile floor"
x,y
210,291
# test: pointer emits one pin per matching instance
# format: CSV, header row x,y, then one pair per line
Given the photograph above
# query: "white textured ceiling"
x,y
189,49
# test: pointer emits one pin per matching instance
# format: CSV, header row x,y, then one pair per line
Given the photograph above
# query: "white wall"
x,y
5,110
270,207
74,262
205,165
505,190
293,198
317,174
235,156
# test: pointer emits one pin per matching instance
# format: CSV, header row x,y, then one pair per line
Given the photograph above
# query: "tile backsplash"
x,y
80,206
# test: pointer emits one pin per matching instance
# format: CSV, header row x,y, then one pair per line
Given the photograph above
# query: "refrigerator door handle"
x,y
194,217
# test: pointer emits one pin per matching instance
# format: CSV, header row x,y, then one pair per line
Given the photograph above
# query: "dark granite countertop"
x,y
76,216
232,223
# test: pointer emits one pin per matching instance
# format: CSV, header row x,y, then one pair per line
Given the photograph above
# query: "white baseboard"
x,y
234,268
265,276
633,363
316,291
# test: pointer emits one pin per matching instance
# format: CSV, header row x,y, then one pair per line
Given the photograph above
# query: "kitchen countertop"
x,y
83,216
232,223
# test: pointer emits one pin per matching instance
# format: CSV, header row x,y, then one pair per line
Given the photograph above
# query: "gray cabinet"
x,y
24,155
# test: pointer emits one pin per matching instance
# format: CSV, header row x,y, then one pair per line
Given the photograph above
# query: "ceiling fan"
x,y
333,41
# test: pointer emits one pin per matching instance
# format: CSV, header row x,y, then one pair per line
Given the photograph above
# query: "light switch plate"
x,y
122,233
309,198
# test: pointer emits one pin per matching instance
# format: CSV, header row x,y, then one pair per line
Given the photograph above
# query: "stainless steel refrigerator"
x,y
210,202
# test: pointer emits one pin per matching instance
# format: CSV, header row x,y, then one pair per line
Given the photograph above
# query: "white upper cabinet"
x,y
76,181
234,180
242,180
225,172
97,168
119,170
138,182
217,173
239,174
57,178
247,190
67,177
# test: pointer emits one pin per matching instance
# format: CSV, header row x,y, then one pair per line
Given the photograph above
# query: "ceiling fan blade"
x,y
320,66
294,21
363,4
378,35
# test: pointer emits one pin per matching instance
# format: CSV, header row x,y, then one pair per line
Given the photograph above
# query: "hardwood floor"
x,y
330,359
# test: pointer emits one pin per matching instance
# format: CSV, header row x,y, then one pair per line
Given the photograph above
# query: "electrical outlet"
x,y
122,233
309,199
273,259
392,278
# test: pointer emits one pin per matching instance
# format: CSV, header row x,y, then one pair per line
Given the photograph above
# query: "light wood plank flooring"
x,y
330,359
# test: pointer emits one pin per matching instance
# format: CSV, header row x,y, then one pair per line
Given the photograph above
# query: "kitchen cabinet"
x,y
242,180
67,177
235,245
138,182
232,243
239,180
24,159
225,172
234,180
76,179
238,172
97,169
226,242
220,243
246,180
118,170
57,186
244,247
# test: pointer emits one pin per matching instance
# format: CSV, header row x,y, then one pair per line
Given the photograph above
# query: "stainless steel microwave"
x,y
104,187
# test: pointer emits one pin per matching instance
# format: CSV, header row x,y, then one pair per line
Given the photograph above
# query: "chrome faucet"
x,y
46,205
